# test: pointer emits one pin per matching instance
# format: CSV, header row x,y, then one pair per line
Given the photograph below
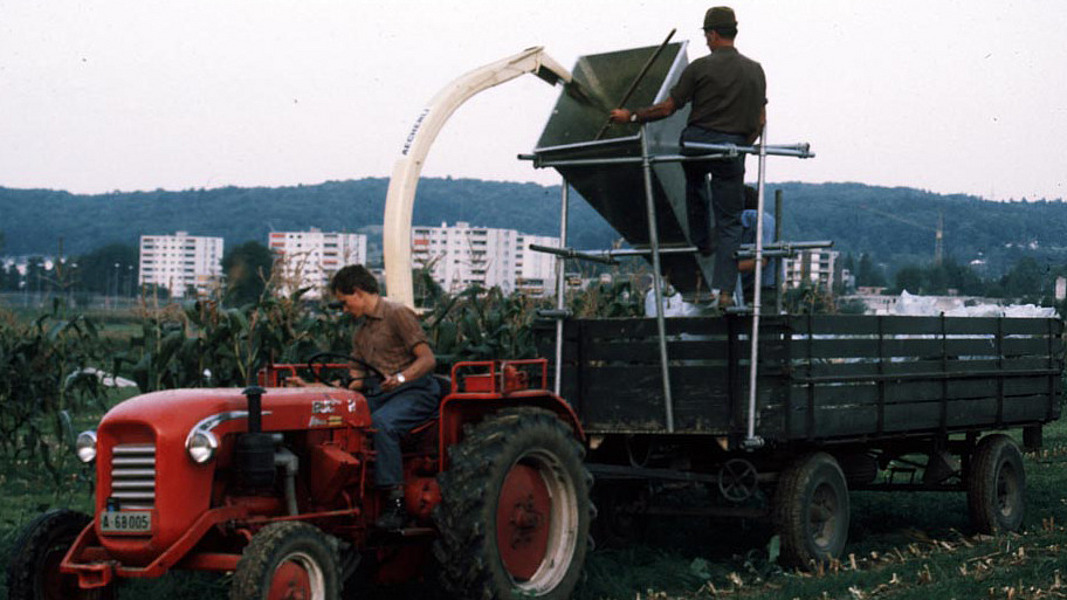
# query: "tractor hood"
x,y
143,464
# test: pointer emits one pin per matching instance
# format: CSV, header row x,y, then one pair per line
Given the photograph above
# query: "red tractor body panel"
x,y
200,516
149,432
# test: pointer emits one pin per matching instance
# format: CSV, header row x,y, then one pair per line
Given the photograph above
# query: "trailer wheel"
x,y
515,512
996,485
286,561
811,510
33,572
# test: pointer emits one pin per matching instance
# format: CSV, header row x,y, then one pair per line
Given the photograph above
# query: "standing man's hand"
x,y
621,115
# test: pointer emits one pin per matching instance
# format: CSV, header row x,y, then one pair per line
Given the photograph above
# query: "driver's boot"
x,y
393,515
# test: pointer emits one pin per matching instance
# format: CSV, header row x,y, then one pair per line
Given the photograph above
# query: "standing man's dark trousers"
x,y
727,200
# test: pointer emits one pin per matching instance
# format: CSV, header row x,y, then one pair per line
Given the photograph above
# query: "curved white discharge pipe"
x,y
400,199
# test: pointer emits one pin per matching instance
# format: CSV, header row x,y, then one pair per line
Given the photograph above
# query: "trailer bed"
x,y
820,378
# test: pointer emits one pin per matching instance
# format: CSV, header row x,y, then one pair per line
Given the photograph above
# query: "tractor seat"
x,y
424,435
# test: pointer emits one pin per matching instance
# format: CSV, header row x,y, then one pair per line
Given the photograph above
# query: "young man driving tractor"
x,y
391,342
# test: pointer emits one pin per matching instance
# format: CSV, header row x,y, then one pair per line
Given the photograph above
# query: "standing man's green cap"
x,y
719,16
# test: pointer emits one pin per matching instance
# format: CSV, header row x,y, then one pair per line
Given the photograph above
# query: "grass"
x,y
901,546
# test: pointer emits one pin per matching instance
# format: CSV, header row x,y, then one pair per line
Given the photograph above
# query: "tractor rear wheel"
x,y
996,485
811,510
33,573
515,510
287,561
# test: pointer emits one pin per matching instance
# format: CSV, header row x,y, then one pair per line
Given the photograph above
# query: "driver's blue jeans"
x,y
394,414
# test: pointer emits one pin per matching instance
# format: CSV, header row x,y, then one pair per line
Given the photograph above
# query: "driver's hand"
x,y
355,379
295,381
390,383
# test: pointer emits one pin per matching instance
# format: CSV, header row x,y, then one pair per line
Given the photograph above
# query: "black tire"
x,y
33,572
996,485
287,555
811,511
516,478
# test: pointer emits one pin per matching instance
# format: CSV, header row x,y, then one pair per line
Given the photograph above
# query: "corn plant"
x,y
49,370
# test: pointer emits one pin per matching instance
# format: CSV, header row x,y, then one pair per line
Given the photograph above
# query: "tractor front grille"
x,y
133,476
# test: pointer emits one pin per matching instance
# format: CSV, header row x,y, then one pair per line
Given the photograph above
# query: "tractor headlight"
x,y
202,446
85,446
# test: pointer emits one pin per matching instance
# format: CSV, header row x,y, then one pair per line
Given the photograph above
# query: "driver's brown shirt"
x,y
388,336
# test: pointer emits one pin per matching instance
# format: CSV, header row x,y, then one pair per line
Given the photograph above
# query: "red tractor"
x,y
273,485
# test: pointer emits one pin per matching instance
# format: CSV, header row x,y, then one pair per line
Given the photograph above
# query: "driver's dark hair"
x,y
352,278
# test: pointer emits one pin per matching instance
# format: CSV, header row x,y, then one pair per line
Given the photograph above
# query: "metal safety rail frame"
x,y
646,160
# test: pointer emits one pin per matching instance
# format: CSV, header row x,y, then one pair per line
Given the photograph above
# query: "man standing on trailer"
x,y
728,92
391,340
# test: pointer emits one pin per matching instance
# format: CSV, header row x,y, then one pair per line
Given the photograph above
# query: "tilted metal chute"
x,y
400,199
575,133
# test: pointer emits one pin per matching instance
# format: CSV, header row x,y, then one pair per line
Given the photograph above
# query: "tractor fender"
x,y
457,411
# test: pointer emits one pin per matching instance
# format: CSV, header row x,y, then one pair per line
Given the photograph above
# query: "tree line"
x,y
887,233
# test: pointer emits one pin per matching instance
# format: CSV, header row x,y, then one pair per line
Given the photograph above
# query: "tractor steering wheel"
x,y
318,362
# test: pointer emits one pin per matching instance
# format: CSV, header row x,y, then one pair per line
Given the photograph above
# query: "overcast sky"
x,y
950,95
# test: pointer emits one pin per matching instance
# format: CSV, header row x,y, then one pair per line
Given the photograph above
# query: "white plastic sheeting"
x,y
930,306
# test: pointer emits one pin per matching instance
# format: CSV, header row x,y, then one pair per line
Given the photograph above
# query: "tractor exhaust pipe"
x,y
254,452
255,408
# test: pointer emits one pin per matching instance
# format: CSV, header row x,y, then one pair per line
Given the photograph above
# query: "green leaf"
x,y
700,568
774,549
56,330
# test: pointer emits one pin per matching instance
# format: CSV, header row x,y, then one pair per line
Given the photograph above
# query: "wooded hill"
x,y
894,225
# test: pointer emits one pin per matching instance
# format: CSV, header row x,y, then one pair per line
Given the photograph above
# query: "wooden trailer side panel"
x,y
612,374
884,376
820,377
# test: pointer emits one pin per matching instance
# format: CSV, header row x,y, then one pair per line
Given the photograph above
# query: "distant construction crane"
x,y
939,231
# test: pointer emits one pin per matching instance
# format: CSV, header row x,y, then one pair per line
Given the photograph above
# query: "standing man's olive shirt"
x,y
727,89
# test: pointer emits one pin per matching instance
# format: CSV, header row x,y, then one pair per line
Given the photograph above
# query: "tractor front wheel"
x,y
515,510
33,573
287,561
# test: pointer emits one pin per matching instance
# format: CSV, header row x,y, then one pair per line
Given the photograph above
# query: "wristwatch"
x,y
400,377
633,117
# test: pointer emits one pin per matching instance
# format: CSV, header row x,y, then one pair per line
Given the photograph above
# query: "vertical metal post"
x,y
750,439
561,285
779,270
653,241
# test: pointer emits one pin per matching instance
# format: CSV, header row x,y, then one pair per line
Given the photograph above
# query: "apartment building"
x,y
817,267
535,272
460,256
182,263
308,259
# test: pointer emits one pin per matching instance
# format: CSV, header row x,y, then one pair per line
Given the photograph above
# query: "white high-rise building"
x,y
817,267
181,263
460,256
310,258
535,272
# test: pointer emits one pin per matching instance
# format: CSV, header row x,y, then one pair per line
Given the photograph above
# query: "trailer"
x,y
844,403
778,416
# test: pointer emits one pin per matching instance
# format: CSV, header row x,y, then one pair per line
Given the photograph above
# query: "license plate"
x,y
127,521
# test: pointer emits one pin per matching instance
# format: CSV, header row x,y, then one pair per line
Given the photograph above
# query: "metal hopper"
x,y
617,190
